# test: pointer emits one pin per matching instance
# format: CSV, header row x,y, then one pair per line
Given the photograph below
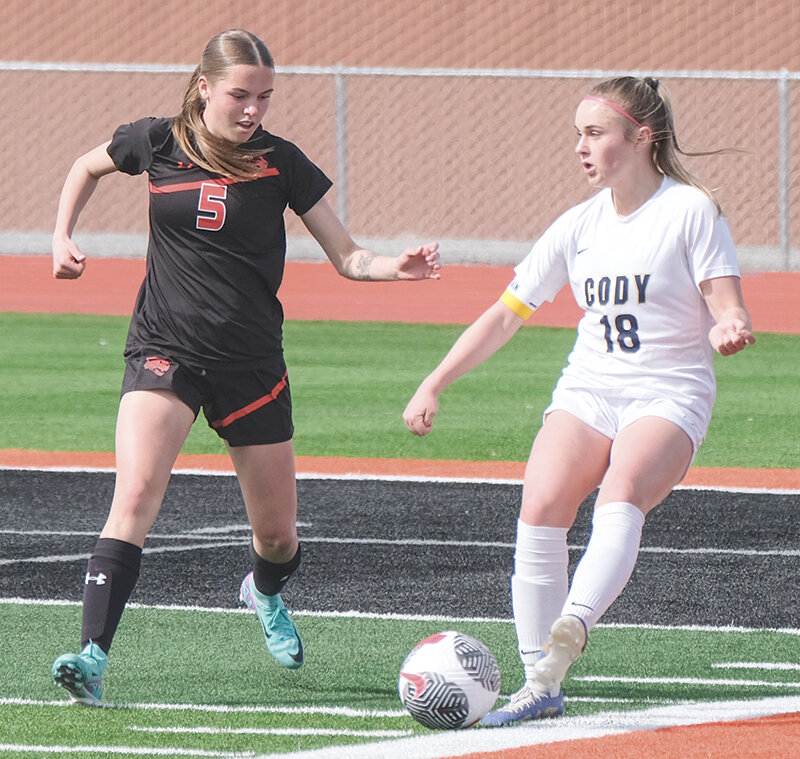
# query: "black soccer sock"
x,y
269,578
111,577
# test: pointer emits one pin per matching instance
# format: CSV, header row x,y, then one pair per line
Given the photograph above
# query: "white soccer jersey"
x,y
644,332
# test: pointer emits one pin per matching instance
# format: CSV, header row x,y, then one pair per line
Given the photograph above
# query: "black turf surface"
x,y
738,558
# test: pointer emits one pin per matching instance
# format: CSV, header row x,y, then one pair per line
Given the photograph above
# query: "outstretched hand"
x,y
730,336
419,263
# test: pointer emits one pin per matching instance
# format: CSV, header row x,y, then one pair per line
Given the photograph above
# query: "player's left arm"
x,y
355,262
732,330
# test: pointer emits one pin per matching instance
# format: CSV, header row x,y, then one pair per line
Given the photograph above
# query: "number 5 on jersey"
x,y
210,206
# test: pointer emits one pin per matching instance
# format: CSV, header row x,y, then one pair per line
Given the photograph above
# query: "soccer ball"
x,y
449,681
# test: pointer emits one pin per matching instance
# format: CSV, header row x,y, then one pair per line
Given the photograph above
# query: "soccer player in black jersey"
x,y
206,330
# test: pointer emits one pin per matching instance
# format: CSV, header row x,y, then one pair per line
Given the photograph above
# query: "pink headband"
x,y
617,108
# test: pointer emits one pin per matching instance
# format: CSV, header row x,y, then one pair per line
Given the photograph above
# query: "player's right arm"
x,y
490,332
68,261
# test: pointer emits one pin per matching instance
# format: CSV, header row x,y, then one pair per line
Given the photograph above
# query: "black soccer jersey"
x,y
216,250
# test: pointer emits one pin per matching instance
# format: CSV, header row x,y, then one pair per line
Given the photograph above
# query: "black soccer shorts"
x,y
244,407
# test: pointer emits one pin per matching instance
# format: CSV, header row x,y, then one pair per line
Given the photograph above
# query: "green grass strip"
x,y
215,664
351,381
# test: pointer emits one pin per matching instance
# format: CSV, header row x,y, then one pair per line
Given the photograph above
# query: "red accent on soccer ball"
x,y
418,682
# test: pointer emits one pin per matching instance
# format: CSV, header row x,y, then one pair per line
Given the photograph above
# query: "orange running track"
x,y
316,291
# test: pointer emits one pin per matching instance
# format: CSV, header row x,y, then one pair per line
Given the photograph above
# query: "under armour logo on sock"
x,y
98,579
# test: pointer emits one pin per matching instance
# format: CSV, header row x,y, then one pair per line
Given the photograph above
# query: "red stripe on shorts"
x,y
250,407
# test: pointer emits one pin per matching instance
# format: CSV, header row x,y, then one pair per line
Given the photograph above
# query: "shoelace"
x,y
279,622
519,699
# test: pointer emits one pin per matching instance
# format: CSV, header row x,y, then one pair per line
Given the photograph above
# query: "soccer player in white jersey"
x,y
651,261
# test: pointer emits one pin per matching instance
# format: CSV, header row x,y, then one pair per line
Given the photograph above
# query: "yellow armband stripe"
x,y
516,305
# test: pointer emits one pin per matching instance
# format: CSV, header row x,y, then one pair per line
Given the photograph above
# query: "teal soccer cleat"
x,y
81,675
283,642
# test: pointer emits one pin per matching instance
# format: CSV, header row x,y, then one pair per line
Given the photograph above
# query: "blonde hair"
x,y
226,49
648,102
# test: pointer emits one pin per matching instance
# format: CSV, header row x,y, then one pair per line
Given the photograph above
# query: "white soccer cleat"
x,y
525,705
567,641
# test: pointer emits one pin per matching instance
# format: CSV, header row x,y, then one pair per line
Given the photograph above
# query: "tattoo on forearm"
x,y
364,265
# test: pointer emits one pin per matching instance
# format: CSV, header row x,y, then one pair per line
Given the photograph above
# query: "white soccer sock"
x,y
607,562
538,586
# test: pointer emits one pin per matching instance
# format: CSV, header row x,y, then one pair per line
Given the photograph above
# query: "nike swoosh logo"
x,y
298,657
582,250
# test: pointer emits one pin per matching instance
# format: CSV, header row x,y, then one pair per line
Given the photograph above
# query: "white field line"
x,y
773,666
318,731
389,478
217,538
459,742
327,711
150,550
200,532
126,750
713,682
444,619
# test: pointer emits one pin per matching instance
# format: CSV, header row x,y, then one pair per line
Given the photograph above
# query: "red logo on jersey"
x,y
159,366
263,169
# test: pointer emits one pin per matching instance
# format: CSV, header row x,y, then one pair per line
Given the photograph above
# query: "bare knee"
x,y
134,508
548,509
276,546
138,493
642,494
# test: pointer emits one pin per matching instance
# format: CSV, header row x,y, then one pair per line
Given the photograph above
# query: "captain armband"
x,y
516,305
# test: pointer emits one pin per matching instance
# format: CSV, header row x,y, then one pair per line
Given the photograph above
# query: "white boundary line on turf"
x,y
299,475
456,743
714,682
387,478
317,731
218,540
330,711
126,750
440,619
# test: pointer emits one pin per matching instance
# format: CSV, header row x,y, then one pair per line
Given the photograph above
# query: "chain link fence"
x,y
481,160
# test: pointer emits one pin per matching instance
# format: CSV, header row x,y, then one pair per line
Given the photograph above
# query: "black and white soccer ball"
x,y
449,681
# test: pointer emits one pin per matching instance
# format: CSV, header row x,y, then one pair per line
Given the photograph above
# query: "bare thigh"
x,y
648,458
267,478
568,461
152,425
